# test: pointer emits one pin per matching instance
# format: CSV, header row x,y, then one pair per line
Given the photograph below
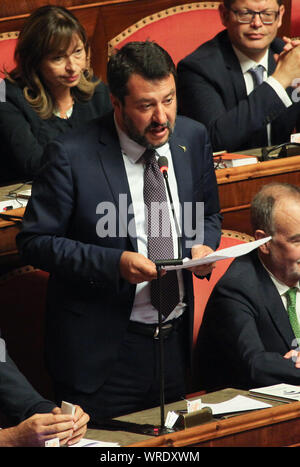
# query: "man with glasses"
x,y
239,84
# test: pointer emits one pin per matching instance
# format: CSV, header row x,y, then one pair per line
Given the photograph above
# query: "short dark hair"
x,y
264,202
147,59
228,3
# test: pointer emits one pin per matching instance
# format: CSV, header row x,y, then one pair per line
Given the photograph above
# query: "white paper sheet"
x,y
93,443
236,404
12,202
225,253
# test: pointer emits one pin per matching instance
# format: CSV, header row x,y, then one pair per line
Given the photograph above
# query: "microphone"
x,y
164,167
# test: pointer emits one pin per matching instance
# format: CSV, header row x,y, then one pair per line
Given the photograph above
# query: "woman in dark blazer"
x,y
50,91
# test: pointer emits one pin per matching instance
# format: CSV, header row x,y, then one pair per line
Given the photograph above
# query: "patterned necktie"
x,y
160,242
291,309
257,74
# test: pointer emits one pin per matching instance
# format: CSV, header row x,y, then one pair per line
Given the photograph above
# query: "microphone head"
x,y
163,164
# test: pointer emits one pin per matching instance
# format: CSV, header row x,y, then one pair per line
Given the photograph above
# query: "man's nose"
x,y
159,114
256,20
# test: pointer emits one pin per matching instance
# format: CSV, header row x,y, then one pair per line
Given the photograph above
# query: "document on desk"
x,y
6,206
93,443
225,253
236,404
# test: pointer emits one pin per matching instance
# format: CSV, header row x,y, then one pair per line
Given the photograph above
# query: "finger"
x,y
59,428
78,434
73,440
82,420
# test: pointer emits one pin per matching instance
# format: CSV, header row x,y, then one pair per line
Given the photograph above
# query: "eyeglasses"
x,y
247,16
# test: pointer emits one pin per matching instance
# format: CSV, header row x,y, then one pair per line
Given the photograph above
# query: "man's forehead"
x,y
287,212
137,85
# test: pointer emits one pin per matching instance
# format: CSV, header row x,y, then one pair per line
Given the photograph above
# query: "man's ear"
x,y
115,101
258,235
224,13
281,13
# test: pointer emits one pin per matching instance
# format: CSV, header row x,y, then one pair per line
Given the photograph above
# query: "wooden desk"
x,y
8,230
238,185
276,426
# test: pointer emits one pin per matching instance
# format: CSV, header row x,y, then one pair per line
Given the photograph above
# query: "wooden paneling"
x,y
103,19
238,185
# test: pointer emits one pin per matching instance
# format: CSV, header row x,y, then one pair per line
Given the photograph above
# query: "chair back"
x,y
179,30
23,299
295,19
8,41
202,287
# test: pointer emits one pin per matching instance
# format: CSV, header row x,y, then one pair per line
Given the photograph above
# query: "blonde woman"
x,y
50,91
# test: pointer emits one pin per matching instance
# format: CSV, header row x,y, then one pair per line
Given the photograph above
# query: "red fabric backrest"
x,y
180,33
23,301
7,49
203,288
295,18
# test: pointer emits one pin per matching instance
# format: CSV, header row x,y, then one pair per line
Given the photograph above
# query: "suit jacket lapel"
x,y
113,166
181,154
273,303
234,68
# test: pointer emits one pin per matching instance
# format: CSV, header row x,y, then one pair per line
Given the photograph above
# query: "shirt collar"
x,y
280,286
247,63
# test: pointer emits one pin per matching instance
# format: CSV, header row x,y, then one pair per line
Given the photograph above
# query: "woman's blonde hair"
x,y
48,30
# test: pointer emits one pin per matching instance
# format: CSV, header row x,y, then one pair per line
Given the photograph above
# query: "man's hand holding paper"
x,y
200,251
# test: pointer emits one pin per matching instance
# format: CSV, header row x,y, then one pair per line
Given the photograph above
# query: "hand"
x,y
199,251
136,268
41,427
288,64
295,356
81,420
289,44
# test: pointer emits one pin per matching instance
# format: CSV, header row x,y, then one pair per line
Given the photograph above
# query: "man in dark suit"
x,y
250,334
216,84
85,223
36,419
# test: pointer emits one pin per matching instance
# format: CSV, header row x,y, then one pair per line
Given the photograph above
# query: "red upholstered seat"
x,y
23,298
179,30
295,19
202,287
8,42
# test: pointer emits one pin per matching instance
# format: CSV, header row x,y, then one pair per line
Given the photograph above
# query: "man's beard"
x,y
141,138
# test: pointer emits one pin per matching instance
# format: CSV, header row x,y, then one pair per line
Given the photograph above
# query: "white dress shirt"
x,y
282,289
143,310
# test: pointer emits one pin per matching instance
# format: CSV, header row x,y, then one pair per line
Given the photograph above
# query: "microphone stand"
x,y
159,264
163,429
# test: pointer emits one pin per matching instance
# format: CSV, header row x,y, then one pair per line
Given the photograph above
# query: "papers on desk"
x,y
280,392
236,404
17,197
225,253
233,406
93,443
6,206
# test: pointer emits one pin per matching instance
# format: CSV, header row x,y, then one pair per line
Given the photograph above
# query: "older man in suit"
x,y
86,224
250,334
239,83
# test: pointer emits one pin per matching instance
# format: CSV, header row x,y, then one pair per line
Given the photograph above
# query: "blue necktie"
x,y
257,75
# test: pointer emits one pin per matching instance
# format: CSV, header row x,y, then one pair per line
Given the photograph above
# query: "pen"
x,y
7,208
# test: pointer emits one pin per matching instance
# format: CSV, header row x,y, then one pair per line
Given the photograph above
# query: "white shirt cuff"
x,y
280,91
